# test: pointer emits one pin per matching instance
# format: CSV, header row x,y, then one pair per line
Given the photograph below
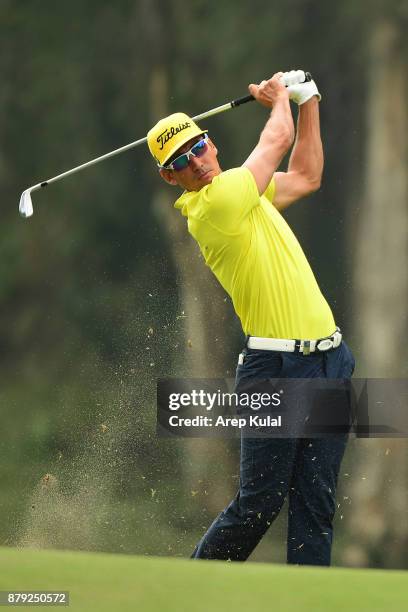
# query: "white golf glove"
x,y
302,92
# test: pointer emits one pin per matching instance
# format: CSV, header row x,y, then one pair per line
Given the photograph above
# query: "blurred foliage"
x,y
89,296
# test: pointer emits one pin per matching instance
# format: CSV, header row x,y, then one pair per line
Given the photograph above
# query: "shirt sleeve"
x,y
270,191
230,198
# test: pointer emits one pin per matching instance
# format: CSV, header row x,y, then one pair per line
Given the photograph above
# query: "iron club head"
x,y
26,204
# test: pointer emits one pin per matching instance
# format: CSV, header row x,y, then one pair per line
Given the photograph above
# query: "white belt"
x,y
290,346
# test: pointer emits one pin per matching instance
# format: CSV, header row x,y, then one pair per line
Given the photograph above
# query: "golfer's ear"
x,y
167,176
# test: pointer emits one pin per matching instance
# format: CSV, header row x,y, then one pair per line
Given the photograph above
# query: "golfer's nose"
x,y
195,163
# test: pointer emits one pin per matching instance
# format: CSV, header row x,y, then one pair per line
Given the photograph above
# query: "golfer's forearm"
x,y
274,142
279,130
307,153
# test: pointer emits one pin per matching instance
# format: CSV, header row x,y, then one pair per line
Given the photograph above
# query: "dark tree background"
x,y
103,291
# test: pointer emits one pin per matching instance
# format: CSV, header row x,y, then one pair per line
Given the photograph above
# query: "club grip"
x,y
242,100
302,77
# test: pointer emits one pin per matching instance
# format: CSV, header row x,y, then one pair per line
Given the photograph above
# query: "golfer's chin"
x,y
206,178
198,182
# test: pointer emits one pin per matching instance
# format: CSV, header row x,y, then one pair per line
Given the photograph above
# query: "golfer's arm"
x,y
306,161
274,142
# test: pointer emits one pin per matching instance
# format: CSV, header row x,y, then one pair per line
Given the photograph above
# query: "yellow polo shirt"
x,y
256,257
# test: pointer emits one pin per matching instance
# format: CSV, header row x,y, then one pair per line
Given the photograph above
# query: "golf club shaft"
x,y
136,143
299,75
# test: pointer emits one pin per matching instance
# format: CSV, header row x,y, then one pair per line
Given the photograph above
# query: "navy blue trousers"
x,y
302,470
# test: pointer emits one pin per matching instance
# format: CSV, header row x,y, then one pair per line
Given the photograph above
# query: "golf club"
x,y
293,77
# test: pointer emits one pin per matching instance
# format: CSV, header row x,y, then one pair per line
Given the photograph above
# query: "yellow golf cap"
x,y
169,134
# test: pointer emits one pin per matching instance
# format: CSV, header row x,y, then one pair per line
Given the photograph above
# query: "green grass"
x,y
107,582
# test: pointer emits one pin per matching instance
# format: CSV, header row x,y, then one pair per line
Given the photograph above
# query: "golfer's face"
x,y
200,170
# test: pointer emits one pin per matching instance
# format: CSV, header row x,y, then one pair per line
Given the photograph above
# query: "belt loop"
x,y
246,340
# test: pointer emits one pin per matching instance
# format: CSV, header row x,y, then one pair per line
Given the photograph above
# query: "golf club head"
x,y
26,204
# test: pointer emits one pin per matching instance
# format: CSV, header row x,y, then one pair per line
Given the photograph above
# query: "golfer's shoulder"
x,y
231,187
229,198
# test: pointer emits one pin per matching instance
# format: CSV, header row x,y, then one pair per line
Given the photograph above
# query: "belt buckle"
x,y
306,347
325,345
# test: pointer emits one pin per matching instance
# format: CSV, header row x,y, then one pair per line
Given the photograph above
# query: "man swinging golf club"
x,y
235,216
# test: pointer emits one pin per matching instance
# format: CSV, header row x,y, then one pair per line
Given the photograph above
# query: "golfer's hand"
x,y
269,92
302,92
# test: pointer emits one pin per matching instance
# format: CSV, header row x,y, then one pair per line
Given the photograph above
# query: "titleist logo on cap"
x,y
169,133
